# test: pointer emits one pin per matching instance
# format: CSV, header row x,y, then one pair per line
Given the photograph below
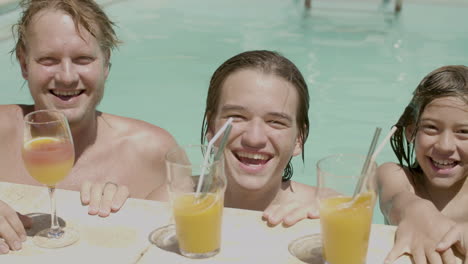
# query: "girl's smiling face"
x,y
441,142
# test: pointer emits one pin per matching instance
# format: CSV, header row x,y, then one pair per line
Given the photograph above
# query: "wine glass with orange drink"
x,y
48,155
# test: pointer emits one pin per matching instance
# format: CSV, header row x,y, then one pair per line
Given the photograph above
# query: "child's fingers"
x,y
295,216
397,251
453,236
269,212
418,256
433,256
280,212
448,257
313,213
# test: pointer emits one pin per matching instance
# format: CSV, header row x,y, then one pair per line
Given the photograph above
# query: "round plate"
x,y
307,249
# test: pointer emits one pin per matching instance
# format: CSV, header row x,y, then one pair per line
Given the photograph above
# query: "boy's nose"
x,y
254,135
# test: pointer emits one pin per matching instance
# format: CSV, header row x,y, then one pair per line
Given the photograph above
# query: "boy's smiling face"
x,y
264,133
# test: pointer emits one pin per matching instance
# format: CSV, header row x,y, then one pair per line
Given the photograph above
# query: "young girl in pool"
x,y
427,192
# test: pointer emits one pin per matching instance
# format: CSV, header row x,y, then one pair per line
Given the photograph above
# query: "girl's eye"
x,y
430,129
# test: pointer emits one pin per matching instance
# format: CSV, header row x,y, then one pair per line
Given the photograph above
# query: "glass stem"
x,y
55,231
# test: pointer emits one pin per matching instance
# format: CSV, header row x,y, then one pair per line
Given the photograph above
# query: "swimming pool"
x,y
361,62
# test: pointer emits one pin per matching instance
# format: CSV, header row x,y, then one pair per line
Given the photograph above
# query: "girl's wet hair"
x,y
85,13
447,81
269,62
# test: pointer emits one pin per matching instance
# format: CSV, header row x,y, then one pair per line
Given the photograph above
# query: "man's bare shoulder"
x,y
12,111
138,133
11,141
11,116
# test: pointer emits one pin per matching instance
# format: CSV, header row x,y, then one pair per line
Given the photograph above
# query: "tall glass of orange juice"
x,y
49,155
197,215
345,222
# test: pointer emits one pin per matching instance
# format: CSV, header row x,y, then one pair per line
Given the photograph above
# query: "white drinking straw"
x,y
367,162
377,151
207,155
383,143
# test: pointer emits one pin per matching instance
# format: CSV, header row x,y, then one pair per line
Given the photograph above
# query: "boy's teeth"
x,y
66,93
256,156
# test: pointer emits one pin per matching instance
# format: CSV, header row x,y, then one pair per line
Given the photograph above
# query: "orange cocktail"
x,y
196,185
346,228
48,155
198,222
48,159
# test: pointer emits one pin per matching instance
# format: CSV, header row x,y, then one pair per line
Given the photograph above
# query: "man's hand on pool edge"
x,y
12,228
103,198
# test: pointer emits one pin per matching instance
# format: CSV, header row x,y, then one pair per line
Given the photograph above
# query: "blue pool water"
x,y
360,60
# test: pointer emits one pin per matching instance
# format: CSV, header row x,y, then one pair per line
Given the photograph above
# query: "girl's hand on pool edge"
x,y
289,213
419,238
103,198
457,236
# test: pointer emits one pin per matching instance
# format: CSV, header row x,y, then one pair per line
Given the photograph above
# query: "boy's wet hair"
x,y
268,62
85,13
447,81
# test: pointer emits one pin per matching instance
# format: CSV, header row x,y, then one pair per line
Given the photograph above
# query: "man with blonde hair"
x,y
64,49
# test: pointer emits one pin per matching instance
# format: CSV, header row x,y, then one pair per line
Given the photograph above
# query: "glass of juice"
x,y
197,204
345,222
48,155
